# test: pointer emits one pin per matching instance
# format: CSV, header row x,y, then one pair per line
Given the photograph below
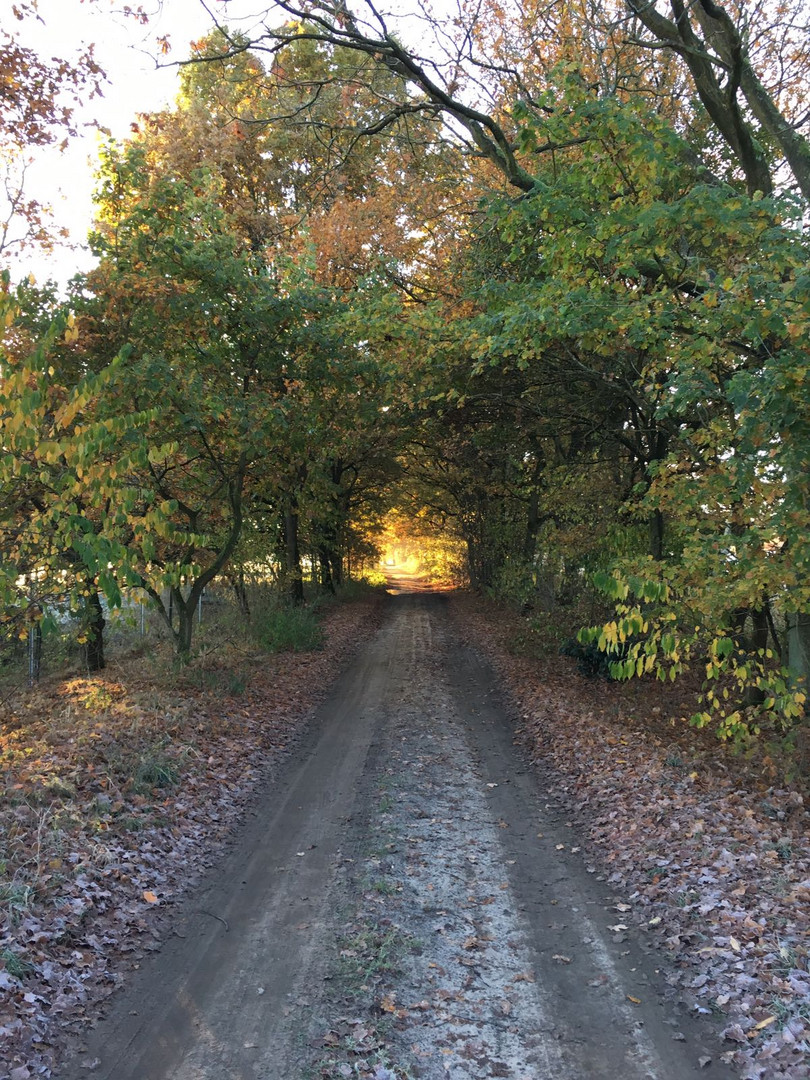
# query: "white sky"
x,y
126,51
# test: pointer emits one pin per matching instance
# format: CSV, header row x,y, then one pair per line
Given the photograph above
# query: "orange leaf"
x,y
150,897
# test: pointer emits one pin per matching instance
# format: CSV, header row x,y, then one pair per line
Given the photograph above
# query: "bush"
x,y
592,661
284,629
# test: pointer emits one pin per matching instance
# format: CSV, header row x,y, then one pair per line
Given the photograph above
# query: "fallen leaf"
x,y
561,959
734,1033
150,897
764,1023
635,1000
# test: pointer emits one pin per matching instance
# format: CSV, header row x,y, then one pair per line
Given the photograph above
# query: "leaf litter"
x,y
119,791
707,854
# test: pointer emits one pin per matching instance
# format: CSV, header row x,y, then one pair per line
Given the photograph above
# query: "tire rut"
x,y
411,822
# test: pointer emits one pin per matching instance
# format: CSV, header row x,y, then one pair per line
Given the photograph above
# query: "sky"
x,y
126,51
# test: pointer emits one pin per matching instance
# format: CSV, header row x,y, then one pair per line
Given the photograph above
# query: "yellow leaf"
x,y
734,944
764,1023
635,1000
150,897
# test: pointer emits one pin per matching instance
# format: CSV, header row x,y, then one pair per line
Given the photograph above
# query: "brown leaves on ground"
x,y
709,859
117,791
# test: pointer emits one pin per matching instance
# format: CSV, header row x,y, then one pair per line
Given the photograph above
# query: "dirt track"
x,y
407,822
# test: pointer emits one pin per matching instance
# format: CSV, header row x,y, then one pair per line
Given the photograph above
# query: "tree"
x,y
61,447
214,333
716,43
721,63
38,98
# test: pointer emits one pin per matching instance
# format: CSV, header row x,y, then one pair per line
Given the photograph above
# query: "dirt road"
x,y
408,901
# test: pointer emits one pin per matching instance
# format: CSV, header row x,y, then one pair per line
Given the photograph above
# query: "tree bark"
x,y
798,652
94,623
325,563
656,528
185,625
240,592
295,577
720,100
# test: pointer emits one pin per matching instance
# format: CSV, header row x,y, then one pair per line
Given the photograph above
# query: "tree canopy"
x,y
535,279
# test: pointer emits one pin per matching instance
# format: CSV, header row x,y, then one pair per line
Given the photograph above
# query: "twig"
x,y
202,911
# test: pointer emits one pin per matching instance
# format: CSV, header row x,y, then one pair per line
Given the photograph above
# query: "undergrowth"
x,y
284,629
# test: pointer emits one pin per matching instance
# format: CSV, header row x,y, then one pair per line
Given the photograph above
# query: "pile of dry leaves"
x,y
712,856
117,792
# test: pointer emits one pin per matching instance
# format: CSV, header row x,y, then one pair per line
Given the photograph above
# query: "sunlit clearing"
x,y
417,555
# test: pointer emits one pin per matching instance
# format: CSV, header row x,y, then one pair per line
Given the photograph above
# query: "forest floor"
x,y
119,792
408,893
710,848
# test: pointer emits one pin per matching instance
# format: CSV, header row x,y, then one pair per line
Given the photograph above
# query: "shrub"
x,y
592,661
288,629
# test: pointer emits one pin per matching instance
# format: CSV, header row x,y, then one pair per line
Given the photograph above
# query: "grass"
x,y
687,898
384,887
155,770
370,953
16,965
15,898
283,629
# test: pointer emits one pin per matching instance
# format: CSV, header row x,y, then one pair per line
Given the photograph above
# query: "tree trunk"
x,y
295,577
472,567
237,582
532,526
325,563
337,568
798,642
185,625
34,653
94,623
751,642
656,527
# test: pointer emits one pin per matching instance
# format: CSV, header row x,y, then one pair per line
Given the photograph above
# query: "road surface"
x,y
409,896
